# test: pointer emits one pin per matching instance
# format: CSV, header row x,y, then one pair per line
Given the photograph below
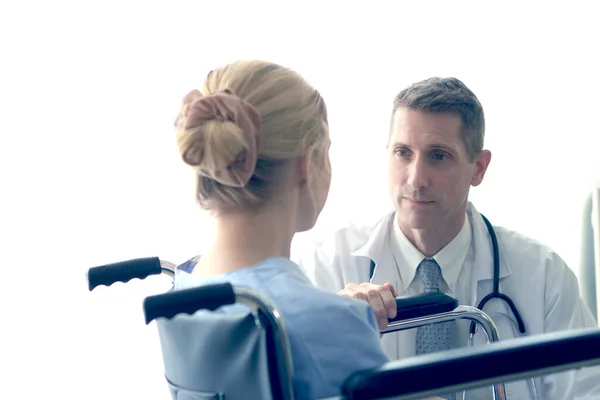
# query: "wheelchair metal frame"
x,y
274,324
472,314
478,367
461,312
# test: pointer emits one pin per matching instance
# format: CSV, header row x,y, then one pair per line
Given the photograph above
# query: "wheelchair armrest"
x,y
188,301
469,368
422,305
123,271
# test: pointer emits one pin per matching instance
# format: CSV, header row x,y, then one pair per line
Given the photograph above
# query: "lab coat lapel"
x,y
377,249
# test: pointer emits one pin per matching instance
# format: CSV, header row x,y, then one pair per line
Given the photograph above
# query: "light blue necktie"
x,y
435,337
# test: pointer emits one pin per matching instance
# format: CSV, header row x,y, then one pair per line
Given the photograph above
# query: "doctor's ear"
x,y
482,160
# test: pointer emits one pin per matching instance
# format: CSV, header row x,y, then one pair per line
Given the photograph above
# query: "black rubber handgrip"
x,y
188,301
422,305
123,271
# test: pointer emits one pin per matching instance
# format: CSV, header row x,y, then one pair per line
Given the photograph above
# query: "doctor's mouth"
x,y
417,202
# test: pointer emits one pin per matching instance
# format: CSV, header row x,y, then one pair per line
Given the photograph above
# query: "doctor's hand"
x,y
382,299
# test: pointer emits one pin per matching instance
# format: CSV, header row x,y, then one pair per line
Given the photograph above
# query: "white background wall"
x,y
89,172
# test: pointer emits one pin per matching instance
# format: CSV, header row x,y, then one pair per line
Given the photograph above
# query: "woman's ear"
x,y
303,165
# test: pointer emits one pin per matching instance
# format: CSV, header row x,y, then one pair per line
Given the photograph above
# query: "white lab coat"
x,y
539,282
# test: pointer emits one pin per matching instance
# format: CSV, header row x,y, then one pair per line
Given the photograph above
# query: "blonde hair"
x,y
293,117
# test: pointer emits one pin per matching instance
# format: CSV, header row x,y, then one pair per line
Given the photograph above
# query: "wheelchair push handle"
x,y
423,305
123,271
188,301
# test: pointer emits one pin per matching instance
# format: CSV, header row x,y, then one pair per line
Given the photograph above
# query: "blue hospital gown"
x,y
330,336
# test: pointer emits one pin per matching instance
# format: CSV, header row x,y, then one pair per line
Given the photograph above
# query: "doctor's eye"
x,y
401,152
440,156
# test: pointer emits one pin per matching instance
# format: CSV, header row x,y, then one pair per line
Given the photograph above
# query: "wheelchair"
x,y
258,363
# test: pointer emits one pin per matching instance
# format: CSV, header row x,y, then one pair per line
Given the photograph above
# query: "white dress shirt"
x,y
454,259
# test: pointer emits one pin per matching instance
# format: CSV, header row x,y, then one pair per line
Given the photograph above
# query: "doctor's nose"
x,y
417,174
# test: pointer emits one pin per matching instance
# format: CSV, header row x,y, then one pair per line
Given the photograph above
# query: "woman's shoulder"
x,y
327,308
284,283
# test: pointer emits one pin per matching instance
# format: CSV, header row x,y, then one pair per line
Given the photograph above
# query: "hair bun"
x,y
195,134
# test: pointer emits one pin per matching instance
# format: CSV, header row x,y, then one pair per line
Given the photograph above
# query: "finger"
x,y
359,294
389,300
392,289
348,290
376,302
353,293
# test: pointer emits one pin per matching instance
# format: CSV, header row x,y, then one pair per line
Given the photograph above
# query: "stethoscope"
x,y
495,294
496,283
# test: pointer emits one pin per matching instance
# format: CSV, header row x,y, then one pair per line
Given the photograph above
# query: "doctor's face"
x,y
429,170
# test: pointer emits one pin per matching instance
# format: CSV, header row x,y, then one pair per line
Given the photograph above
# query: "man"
x,y
435,240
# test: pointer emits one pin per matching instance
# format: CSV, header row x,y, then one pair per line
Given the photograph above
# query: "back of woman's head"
x,y
243,127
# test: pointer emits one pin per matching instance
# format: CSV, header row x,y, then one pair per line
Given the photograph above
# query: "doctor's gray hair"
x,y
448,95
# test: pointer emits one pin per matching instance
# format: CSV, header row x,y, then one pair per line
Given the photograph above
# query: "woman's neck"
x,y
245,239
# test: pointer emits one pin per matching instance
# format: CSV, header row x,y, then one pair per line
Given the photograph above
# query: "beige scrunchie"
x,y
225,106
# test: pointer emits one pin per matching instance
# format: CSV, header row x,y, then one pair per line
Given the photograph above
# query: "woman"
x,y
257,136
